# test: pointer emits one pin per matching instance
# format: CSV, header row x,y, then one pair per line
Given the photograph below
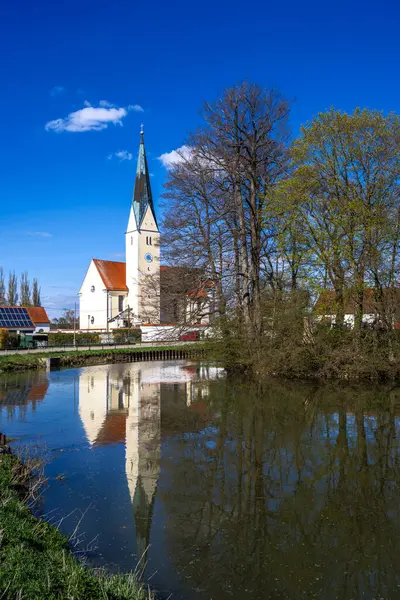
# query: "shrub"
x,y
4,336
82,339
125,335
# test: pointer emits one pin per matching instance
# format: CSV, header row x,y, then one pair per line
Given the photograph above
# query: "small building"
x,y
375,310
39,318
28,324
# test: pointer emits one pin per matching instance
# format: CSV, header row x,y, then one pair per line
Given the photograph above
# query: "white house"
x,y
39,318
375,309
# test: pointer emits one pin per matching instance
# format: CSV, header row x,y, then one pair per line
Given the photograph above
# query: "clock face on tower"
x,y
148,257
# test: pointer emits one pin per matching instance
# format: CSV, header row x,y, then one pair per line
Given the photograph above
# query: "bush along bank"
x,y
324,353
36,562
77,358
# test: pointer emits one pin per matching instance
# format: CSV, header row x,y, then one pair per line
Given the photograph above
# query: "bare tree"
x,y
218,194
12,294
25,290
36,300
2,288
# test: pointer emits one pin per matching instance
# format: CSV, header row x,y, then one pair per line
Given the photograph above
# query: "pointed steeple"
x,y
142,197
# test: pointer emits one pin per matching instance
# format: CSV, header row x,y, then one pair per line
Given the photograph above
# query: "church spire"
x,y
142,197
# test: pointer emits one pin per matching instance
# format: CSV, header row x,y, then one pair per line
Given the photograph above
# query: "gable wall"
x,y
93,303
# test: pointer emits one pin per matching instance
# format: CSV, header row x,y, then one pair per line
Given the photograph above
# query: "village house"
x,y
377,311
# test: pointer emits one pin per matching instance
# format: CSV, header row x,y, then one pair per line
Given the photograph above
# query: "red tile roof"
x,y
326,303
37,314
112,273
112,431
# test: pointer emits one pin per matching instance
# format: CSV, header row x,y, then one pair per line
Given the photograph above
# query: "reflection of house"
x,y
23,391
375,309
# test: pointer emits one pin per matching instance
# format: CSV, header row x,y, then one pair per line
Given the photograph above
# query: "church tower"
x,y
142,240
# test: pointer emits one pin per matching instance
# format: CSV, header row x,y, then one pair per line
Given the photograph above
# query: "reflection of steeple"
x,y
122,402
143,457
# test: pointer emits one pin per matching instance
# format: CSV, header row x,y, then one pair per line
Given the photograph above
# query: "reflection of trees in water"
x,y
295,494
19,391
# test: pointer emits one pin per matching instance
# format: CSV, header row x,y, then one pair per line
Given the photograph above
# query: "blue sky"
x,y
62,199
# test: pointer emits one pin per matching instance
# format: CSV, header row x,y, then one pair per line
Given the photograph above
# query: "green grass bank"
x,y
77,358
35,560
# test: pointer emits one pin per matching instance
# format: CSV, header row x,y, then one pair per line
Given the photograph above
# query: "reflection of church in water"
x,y
131,404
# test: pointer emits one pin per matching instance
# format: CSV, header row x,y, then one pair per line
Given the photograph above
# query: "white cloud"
x,y
135,107
105,103
121,155
118,255
40,233
170,159
90,118
57,90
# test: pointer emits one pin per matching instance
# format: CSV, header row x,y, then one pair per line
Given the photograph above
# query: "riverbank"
x,y
36,562
78,358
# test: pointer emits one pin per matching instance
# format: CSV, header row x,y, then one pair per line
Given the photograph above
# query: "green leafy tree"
x,y
347,187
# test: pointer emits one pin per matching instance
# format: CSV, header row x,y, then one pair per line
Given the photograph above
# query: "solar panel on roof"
x,y
15,318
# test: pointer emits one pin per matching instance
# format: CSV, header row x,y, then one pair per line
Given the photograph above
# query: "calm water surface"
x,y
219,488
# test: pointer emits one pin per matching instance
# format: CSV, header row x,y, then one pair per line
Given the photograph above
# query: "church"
x,y
141,292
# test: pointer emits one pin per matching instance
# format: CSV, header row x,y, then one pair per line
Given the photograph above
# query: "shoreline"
x,y
36,558
77,358
71,358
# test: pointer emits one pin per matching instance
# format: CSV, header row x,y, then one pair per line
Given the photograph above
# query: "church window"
x,y
92,289
120,303
131,240
148,240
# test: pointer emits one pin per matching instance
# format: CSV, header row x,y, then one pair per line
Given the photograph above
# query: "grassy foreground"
x,y
35,561
76,358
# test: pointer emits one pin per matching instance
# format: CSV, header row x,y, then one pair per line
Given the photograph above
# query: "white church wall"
x,y
132,259
114,307
92,401
149,247
171,333
142,260
93,304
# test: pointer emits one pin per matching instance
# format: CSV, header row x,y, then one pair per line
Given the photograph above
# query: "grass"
x,y
71,358
35,560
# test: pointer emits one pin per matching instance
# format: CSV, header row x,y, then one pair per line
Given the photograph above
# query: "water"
x,y
218,488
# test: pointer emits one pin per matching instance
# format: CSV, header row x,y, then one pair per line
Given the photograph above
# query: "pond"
x,y
215,487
